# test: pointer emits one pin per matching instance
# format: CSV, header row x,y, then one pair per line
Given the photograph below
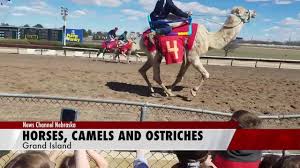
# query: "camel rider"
x,y
112,34
161,11
123,38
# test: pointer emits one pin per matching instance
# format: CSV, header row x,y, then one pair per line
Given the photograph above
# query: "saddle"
x,y
174,22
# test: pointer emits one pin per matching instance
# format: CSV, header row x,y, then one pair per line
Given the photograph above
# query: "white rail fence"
x,y
208,60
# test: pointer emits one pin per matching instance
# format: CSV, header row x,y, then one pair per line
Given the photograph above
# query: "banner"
x,y
74,35
134,135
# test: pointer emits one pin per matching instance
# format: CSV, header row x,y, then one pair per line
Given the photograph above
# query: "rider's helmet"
x,y
125,32
116,28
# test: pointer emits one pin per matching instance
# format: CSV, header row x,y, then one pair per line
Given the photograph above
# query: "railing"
x,y
39,107
208,60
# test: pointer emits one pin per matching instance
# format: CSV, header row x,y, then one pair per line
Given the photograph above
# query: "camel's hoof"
x,y
155,95
188,99
170,94
193,92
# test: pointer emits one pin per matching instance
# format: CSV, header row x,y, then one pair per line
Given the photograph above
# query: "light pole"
x,y
64,14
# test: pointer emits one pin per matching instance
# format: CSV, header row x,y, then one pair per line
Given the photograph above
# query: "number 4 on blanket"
x,y
172,48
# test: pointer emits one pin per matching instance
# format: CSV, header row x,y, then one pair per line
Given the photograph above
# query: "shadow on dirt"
x,y
141,90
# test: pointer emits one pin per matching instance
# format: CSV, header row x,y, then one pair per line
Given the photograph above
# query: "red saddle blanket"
x,y
125,48
172,47
110,44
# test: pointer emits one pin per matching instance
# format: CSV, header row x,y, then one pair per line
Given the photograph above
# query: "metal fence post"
x,y
280,65
143,112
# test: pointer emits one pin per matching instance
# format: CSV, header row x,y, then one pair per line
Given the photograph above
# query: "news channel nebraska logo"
x,y
74,35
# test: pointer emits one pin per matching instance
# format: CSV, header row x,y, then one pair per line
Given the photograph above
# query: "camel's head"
x,y
244,14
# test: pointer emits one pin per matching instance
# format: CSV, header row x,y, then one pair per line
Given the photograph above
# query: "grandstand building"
x,y
14,32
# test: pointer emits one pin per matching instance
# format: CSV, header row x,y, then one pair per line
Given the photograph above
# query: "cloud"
x,y
4,6
267,20
272,28
286,29
194,6
283,33
278,2
17,14
39,7
79,13
134,14
257,0
197,7
290,21
283,2
108,3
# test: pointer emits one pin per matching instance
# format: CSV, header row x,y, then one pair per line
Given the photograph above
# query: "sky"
x,y
276,19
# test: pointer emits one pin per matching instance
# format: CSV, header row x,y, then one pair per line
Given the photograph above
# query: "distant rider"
x,y
112,34
123,38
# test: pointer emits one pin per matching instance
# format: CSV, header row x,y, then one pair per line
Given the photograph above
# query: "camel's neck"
x,y
231,28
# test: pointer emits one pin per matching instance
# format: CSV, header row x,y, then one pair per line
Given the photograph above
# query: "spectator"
x,y
191,159
32,159
99,159
246,119
68,162
291,162
268,161
279,163
81,159
240,158
288,162
3,153
140,161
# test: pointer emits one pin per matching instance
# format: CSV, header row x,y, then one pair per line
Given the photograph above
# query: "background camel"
x,y
204,41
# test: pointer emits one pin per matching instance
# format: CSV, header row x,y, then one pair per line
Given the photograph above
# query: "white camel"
x,y
204,41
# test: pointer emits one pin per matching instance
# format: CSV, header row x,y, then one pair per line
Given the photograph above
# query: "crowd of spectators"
x,y
186,159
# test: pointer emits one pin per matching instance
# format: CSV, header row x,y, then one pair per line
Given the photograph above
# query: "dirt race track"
x,y
262,90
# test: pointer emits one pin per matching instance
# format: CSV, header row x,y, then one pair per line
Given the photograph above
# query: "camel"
x,y
204,41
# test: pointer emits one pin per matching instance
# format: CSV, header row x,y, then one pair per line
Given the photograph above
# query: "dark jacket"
x,y
112,33
123,37
162,10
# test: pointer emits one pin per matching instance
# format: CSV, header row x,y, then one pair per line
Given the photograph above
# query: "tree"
x,y
229,48
85,33
89,32
4,24
38,26
27,25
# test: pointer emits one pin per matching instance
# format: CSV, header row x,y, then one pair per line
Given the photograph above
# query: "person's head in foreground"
x,y
288,162
241,158
191,159
68,162
246,119
33,159
292,162
268,161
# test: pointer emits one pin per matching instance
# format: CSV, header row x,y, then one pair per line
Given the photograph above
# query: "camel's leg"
x,y
143,71
156,75
184,67
127,56
195,60
98,53
104,51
